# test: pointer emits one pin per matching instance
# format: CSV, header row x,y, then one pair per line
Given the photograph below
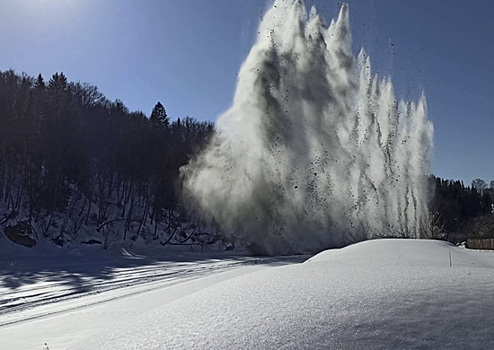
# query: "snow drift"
x,y
315,150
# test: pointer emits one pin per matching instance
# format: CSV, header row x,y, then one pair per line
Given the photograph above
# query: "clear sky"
x,y
186,54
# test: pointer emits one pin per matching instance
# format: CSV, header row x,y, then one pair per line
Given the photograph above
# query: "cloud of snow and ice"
x,y
315,150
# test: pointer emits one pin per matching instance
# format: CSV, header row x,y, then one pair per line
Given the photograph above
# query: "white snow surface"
x,y
60,297
382,294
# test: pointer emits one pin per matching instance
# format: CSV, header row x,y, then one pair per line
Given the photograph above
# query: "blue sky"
x,y
186,54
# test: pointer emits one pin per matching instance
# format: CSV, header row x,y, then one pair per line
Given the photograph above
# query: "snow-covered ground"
x,y
58,297
383,294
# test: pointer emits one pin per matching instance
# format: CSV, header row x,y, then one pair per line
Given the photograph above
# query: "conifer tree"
x,y
158,115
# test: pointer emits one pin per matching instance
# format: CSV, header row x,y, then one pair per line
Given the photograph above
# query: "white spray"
x,y
315,152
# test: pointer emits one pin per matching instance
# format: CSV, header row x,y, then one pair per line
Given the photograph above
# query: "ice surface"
x,y
383,294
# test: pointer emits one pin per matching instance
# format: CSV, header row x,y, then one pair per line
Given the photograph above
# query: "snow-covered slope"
x,y
384,294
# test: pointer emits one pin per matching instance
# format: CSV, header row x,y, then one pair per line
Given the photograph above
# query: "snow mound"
x,y
399,252
384,294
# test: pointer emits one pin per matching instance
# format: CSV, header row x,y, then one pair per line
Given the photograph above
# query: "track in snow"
x,y
38,286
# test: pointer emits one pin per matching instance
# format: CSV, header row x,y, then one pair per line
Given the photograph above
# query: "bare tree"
x,y
479,184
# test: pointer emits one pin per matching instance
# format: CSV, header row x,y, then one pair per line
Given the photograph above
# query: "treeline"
x,y
74,165
461,211
73,161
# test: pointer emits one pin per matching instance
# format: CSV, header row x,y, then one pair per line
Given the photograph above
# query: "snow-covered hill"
x,y
383,294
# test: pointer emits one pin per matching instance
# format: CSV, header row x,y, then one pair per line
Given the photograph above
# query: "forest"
x,y
71,162
460,212
75,166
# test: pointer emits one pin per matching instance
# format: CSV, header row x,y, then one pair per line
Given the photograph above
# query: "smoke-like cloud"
x,y
315,150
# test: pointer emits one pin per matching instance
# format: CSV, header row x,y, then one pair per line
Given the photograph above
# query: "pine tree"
x,y
39,83
159,116
58,82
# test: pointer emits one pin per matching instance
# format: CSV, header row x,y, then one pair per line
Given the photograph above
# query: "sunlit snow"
x,y
384,294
